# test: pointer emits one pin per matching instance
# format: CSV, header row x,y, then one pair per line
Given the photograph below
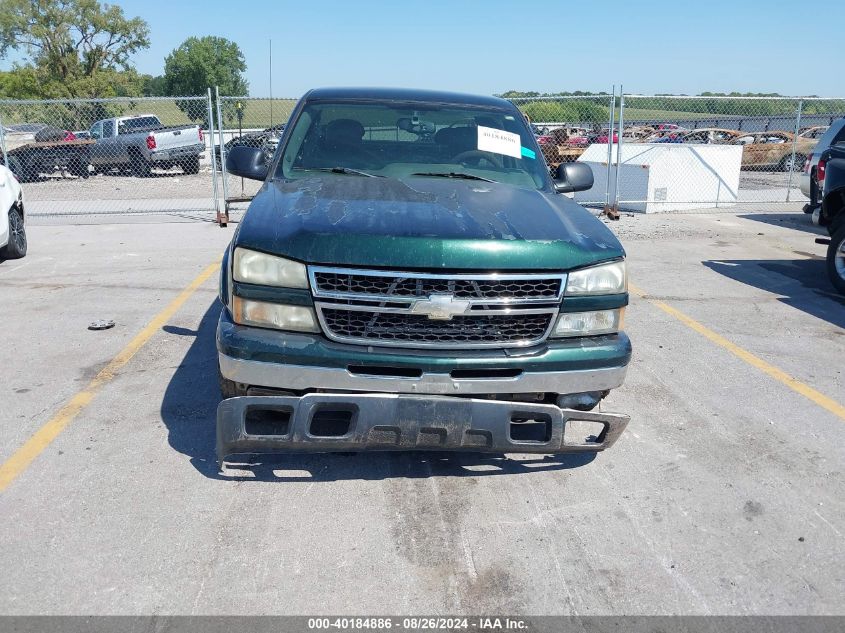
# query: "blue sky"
x,y
491,46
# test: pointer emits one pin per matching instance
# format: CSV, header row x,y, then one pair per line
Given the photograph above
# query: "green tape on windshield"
x,y
529,153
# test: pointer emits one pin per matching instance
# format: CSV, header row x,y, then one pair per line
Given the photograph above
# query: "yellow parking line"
x,y
781,376
42,438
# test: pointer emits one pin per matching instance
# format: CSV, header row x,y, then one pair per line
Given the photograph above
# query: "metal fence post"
x,y
213,159
615,210
222,151
610,148
3,142
794,144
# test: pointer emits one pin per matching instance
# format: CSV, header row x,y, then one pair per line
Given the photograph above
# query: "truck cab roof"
x,y
406,94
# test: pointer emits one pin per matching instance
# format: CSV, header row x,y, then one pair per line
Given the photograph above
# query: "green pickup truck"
x,y
410,276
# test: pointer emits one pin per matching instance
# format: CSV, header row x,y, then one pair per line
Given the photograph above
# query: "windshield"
x,y
418,140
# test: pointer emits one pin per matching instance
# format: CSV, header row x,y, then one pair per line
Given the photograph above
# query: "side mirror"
x,y
573,177
247,162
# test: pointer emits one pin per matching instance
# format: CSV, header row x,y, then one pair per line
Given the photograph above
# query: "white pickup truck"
x,y
141,142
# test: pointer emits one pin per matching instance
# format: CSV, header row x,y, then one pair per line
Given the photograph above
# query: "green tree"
x,y
72,48
572,111
200,63
153,86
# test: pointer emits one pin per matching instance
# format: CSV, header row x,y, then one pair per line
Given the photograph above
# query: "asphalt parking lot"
x,y
724,496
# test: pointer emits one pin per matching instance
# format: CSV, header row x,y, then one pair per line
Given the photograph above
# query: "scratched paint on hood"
x,y
425,223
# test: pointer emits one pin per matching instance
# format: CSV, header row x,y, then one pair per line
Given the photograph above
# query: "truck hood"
x,y
423,223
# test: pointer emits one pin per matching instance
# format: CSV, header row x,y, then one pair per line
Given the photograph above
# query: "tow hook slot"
x,y
534,428
332,421
266,420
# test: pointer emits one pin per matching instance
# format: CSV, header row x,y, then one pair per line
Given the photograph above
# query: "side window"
x,y
108,128
97,130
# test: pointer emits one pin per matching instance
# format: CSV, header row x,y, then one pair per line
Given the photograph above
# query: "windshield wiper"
x,y
452,174
344,170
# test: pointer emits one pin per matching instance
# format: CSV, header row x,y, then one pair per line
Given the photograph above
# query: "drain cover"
x,y
101,324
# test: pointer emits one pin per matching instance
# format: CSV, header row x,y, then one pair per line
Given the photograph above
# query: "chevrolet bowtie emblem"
x,y
440,307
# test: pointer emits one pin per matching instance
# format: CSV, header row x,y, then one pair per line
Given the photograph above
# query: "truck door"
x,y
95,151
106,150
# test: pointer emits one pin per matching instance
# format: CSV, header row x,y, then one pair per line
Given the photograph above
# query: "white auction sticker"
x,y
498,141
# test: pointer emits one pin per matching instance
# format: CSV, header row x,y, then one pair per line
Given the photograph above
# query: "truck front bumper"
x,y
385,422
309,362
409,399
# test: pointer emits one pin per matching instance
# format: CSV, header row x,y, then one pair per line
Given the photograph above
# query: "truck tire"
x,y
191,165
788,164
229,388
836,259
139,165
16,248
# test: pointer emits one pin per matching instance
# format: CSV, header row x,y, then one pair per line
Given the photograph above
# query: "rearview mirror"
x,y
416,126
573,177
247,162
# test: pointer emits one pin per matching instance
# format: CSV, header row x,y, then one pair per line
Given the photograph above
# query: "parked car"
x,y
701,136
816,131
141,142
661,127
808,183
38,148
636,133
592,138
669,134
12,230
386,294
773,150
711,136
539,131
267,139
831,177
562,134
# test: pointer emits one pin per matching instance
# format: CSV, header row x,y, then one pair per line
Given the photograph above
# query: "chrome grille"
x,y
400,286
409,328
406,309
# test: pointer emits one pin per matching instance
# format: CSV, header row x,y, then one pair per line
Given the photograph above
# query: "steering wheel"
x,y
479,156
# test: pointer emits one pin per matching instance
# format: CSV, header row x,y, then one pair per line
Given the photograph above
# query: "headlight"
x,y
267,270
607,279
274,315
589,323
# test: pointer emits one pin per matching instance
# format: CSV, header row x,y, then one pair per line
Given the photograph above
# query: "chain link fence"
x,y
253,122
110,156
167,155
685,153
566,126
